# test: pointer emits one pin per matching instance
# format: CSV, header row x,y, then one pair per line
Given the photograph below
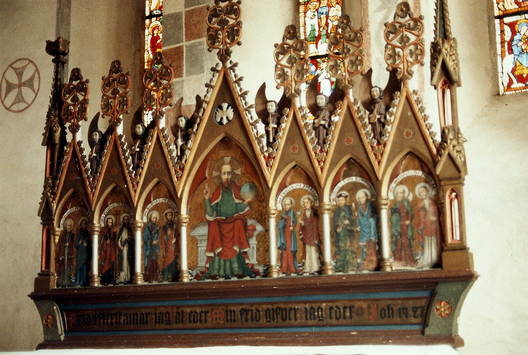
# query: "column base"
x,y
386,265
95,281
273,271
328,268
138,278
184,276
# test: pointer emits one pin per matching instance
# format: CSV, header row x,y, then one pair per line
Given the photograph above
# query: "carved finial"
x,y
405,44
158,87
291,62
75,99
346,53
115,88
224,28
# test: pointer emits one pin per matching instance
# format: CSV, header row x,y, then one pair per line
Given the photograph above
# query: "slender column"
x,y
328,268
184,272
383,204
55,240
273,270
95,279
138,275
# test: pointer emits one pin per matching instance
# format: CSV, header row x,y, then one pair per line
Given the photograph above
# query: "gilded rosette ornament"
x,y
291,62
224,28
158,87
115,88
346,58
75,99
405,44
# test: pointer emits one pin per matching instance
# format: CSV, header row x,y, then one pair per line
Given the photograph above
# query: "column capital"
x,y
272,212
95,228
326,207
137,225
383,202
183,220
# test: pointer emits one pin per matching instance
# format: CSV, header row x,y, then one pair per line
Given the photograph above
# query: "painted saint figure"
x,y
227,242
107,253
309,220
287,242
345,248
428,227
83,245
367,225
125,256
169,271
65,255
151,248
322,119
402,232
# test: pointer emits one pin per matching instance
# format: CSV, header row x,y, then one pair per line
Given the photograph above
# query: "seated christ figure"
x,y
227,242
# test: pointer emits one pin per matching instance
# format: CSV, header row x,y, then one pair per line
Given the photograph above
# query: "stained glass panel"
x,y
318,21
153,29
511,24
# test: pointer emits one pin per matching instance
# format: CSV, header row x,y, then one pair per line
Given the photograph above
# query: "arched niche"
x,y
72,249
114,214
414,215
453,235
354,219
160,234
444,103
299,223
206,239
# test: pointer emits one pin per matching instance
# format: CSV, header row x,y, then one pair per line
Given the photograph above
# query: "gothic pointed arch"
x,y
349,141
225,114
410,132
157,165
415,215
247,186
354,239
113,171
73,173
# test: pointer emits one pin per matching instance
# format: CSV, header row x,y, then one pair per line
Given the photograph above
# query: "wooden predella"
x,y
325,220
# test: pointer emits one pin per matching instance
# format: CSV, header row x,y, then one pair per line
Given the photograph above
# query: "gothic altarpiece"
x,y
340,221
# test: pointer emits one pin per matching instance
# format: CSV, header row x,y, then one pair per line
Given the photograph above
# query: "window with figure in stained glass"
x,y
318,21
511,24
153,39
153,29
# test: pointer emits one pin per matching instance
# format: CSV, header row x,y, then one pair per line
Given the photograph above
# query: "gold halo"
x,y
237,171
519,22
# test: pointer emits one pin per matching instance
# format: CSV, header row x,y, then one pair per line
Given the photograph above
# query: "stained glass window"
x,y
318,21
153,40
153,29
511,23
